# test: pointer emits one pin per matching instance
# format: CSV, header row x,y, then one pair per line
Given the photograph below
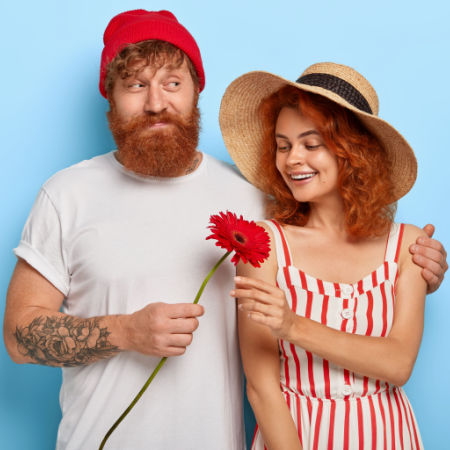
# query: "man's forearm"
x,y
56,339
36,332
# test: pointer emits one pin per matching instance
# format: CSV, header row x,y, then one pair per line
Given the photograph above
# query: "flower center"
x,y
239,237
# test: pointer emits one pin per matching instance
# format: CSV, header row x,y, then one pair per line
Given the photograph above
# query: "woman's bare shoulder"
x,y
410,235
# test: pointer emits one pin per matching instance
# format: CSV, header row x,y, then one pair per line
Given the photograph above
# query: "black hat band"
x,y
340,87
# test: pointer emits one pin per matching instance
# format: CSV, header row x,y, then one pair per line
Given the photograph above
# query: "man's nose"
x,y
155,101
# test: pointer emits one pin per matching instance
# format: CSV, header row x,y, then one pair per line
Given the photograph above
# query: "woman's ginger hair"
x,y
364,176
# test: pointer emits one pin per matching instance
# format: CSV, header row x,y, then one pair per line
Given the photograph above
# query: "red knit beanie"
x,y
139,25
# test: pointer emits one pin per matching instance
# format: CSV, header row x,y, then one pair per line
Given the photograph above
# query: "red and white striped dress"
x,y
335,408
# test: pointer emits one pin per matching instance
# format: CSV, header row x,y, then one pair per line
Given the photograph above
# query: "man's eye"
x,y
173,83
135,85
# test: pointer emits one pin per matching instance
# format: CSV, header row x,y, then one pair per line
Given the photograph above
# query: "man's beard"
x,y
163,152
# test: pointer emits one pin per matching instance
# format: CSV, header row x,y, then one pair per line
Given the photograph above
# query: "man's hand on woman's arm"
x,y
430,254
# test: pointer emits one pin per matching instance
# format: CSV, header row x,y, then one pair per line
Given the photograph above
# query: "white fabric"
x,y
113,241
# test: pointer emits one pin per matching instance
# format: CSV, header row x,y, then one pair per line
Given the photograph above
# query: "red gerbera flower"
x,y
249,241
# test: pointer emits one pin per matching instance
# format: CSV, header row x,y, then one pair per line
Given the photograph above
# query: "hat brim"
x,y
242,129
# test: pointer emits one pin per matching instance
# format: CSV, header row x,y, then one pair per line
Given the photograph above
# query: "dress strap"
x,y
283,252
394,242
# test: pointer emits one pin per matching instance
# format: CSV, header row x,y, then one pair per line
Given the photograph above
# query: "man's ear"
x,y
197,95
110,99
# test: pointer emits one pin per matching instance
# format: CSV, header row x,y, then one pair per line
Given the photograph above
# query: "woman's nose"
x,y
296,155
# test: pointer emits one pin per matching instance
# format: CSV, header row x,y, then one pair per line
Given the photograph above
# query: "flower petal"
x,y
252,244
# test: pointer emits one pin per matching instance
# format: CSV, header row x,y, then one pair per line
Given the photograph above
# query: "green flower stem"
x,y
135,400
162,361
210,274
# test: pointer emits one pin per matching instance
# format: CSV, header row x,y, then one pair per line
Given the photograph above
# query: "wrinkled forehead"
x,y
156,60
168,63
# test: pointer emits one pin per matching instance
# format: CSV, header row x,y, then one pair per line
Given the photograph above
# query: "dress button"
x,y
347,313
347,290
347,390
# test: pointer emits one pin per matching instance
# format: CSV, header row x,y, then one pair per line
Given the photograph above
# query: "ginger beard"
x,y
161,152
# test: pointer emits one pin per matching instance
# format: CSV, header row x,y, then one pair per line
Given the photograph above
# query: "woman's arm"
x,y
388,358
260,356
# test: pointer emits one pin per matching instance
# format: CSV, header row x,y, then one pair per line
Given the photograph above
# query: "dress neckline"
x,y
370,275
387,270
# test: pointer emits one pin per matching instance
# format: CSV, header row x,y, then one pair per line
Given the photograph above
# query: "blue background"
x,y
52,115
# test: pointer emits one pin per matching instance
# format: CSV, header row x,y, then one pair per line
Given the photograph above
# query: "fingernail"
x,y
421,241
232,293
414,248
237,278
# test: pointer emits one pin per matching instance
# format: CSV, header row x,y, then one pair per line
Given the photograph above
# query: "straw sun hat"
x,y
242,129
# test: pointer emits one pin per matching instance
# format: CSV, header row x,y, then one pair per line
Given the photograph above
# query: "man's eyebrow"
x,y
305,133
173,66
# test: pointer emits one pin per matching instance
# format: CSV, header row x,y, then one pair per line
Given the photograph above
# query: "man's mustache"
x,y
147,120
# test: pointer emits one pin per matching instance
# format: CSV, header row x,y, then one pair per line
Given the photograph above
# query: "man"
x,y
118,243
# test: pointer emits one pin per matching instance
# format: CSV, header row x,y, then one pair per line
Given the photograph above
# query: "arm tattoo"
x,y
64,341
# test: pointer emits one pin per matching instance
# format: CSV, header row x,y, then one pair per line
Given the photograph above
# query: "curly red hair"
x,y
150,52
364,168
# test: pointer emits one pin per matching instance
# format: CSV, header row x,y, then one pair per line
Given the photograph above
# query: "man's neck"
x,y
192,167
194,164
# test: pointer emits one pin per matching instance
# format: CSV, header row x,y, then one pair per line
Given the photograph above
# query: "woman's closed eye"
x,y
312,147
312,144
283,146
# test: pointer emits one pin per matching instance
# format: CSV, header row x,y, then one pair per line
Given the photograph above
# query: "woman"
x,y
331,324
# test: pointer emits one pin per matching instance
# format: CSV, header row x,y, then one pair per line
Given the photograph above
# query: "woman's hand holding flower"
x,y
265,304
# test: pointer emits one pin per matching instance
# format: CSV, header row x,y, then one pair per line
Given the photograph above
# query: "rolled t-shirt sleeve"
x,y
41,244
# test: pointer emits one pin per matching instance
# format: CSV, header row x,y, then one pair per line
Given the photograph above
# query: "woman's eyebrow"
x,y
305,133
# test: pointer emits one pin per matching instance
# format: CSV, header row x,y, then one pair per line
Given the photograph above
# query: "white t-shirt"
x,y
112,241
